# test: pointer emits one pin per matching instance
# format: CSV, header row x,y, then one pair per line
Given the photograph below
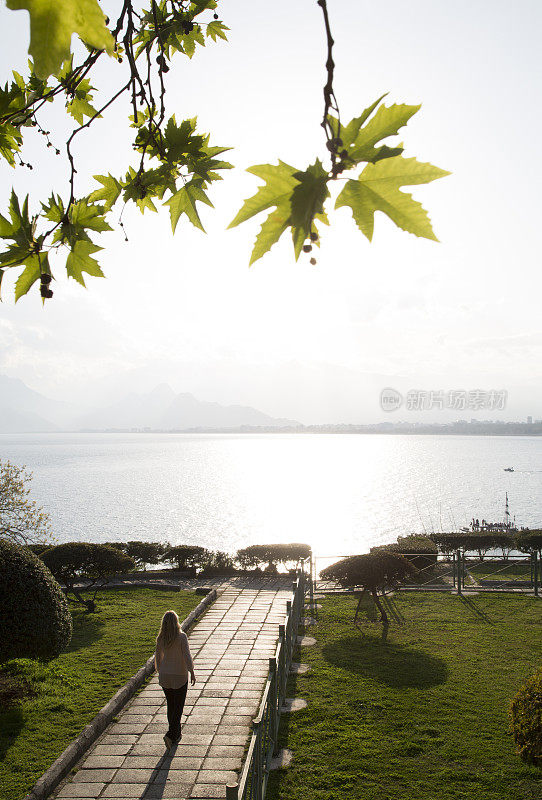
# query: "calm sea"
x,y
339,493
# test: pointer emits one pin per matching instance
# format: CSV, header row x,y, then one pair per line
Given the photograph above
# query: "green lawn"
x,y
501,570
422,716
107,648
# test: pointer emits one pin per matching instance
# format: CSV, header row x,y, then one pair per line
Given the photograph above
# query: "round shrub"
x,y
526,714
35,621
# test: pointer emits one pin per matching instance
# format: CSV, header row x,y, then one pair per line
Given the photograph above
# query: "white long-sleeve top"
x,y
174,662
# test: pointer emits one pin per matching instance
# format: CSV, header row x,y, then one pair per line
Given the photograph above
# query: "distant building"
x,y
529,420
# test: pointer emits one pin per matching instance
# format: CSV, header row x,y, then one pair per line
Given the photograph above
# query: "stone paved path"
x,y
231,646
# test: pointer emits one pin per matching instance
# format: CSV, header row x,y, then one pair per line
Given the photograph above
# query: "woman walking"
x,y
173,661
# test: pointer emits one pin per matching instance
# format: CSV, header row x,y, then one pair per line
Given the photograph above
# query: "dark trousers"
x,y
175,704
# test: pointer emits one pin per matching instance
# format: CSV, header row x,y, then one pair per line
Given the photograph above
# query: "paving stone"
x,y
208,790
175,774
112,749
236,730
91,790
125,790
104,762
197,738
168,792
145,762
220,763
212,776
89,775
299,669
108,738
293,704
127,728
140,775
225,751
231,739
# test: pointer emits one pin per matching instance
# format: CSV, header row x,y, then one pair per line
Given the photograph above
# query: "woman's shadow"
x,y
154,790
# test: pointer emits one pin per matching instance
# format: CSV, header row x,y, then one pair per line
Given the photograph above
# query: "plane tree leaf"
x,y
307,203
109,193
298,197
217,30
34,266
80,260
52,23
378,189
386,122
184,202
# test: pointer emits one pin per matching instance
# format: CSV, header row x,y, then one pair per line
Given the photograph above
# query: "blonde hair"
x,y
169,629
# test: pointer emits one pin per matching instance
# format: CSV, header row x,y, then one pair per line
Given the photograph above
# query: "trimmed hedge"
x,y
271,554
526,716
420,550
35,621
73,562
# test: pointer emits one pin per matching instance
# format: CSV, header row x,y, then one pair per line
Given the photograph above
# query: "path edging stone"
x,y
71,755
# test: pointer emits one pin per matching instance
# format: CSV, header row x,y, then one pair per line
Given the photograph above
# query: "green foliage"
x,y
21,520
529,541
272,554
187,556
144,553
419,550
526,717
377,189
75,562
473,541
372,571
174,165
35,621
299,197
52,26
219,563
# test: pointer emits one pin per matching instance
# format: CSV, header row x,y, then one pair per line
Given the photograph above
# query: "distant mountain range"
x,y
23,410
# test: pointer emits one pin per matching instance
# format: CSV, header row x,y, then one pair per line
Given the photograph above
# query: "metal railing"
x,y
490,573
265,726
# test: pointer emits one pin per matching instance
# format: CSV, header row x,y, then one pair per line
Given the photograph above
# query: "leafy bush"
x,y
474,541
526,716
144,553
35,621
420,550
187,556
74,562
38,549
272,554
219,563
529,541
374,572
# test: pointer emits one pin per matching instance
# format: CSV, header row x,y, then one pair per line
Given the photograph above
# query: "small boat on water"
x,y
507,525
509,469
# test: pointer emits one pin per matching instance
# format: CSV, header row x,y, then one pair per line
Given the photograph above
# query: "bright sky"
x,y
314,343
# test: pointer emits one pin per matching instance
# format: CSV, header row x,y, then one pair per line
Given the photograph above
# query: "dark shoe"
x,y
168,742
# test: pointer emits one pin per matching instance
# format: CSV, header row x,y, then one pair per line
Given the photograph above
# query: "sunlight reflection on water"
x,y
340,493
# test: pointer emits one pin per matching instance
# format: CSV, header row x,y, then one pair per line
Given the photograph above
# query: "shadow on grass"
x,y
11,724
387,663
87,628
471,606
